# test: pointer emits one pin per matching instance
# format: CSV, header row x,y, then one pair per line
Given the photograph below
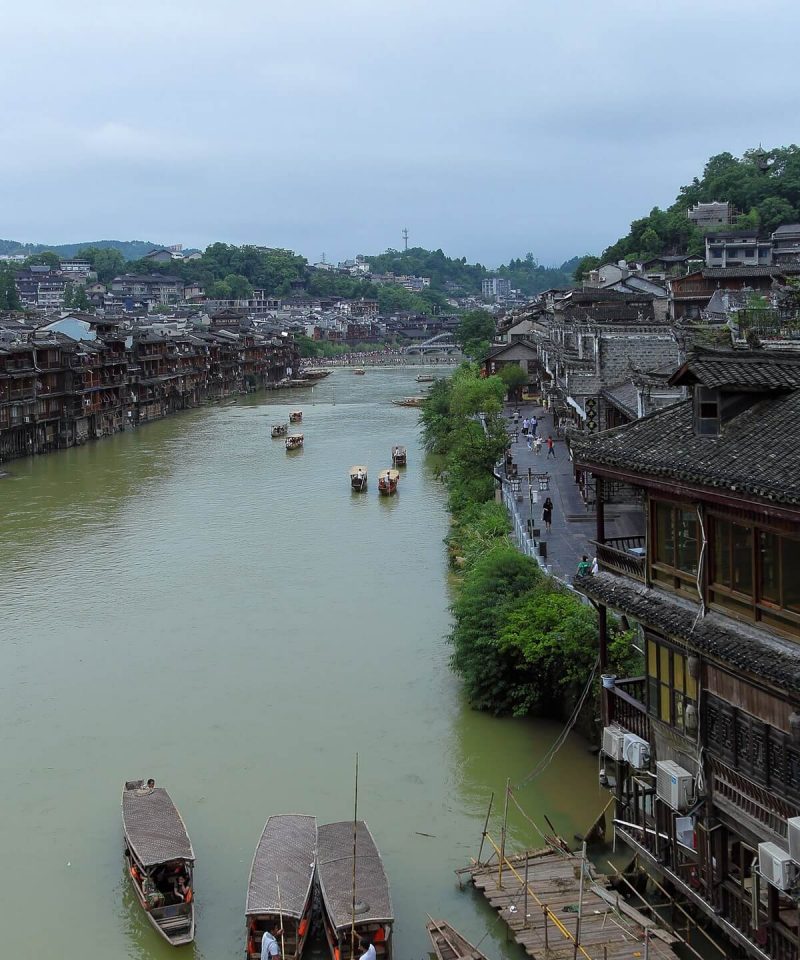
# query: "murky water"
x,y
191,603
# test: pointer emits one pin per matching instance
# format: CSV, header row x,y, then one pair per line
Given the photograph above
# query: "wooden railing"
x,y
626,705
614,555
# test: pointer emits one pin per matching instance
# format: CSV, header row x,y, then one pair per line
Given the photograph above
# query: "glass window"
x,y
665,542
741,559
687,541
769,546
790,559
677,665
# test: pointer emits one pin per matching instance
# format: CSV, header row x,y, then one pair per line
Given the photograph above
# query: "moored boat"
x,y
448,944
359,372
358,478
159,859
280,890
315,373
425,378
399,456
409,401
387,481
336,870
296,416
294,441
279,430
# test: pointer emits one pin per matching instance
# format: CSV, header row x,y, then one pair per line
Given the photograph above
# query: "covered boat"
x,y
294,441
425,378
359,372
399,456
279,429
315,373
358,478
387,481
448,944
373,902
280,890
160,860
296,416
409,402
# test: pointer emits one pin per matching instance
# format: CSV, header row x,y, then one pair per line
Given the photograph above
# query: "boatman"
x,y
269,945
367,949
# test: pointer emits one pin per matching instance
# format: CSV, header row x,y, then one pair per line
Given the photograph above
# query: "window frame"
x,y
674,692
666,574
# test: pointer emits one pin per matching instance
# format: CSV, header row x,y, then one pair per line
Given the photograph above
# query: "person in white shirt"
x,y
270,950
367,950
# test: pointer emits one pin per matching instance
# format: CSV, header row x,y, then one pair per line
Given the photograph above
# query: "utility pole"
x,y
405,238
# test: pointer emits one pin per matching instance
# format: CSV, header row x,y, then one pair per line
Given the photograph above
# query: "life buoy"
x,y
134,874
380,935
337,954
301,930
187,897
251,947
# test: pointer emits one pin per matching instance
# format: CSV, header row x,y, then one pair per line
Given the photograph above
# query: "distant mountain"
x,y
130,249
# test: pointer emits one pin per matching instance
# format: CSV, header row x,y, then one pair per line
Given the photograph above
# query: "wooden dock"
x,y
547,917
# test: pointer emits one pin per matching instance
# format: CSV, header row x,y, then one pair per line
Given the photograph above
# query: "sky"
x,y
488,129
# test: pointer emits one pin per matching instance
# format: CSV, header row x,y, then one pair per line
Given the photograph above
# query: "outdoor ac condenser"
x,y
613,742
793,824
636,751
776,866
673,784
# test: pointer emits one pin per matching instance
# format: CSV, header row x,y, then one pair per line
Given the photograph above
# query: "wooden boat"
x,y
285,857
157,853
373,912
425,378
279,430
358,478
359,372
399,456
294,441
409,401
315,373
296,416
448,944
387,481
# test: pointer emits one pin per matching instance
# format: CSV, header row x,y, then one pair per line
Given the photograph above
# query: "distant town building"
x,y
786,243
711,214
76,266
494,287
739,248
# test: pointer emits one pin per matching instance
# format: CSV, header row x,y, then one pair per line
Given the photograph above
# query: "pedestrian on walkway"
x,y
547,514
534,424
584,567
551,448
529,441
525,426
537,443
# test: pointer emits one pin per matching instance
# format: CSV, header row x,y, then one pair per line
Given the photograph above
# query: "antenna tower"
x,y
405,238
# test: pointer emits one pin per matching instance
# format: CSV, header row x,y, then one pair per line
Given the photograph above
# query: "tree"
x,y
68,295
774,211
106,262
585,264
475,332
514,377
45,259
9,296
79,299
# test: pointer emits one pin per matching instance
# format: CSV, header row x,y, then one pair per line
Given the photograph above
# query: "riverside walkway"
x,y
560,550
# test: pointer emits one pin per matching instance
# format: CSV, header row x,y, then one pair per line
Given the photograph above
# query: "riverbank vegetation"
x,y
522,643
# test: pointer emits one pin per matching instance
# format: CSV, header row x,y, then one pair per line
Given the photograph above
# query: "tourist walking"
x,y
547,514
533,424
551,448
584,567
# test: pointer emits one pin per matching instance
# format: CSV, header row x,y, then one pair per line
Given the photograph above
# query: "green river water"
x,y
189,602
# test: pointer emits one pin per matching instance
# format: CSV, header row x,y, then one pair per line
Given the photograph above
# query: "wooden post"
x,y
485,825
546,937
580,902
600,510
525,899
503,837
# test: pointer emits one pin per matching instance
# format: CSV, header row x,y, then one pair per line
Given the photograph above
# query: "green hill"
x,y
130,249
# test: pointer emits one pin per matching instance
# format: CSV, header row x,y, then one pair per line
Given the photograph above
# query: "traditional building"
x,y
18,399
702,752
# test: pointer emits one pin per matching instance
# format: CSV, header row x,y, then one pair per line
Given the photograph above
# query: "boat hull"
x,y
173,922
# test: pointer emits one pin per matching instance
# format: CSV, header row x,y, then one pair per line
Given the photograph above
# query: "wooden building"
x,y
702,751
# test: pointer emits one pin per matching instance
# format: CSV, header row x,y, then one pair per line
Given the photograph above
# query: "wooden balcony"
x,y
626,705
625,555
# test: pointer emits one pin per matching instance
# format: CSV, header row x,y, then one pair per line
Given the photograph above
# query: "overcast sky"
x,y
489,129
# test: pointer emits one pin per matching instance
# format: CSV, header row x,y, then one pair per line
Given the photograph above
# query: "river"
x,y
188,602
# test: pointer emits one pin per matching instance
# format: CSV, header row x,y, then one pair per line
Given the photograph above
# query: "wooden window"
x,y
675,551
706,411
670,689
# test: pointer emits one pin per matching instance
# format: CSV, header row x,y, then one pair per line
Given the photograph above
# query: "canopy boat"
x,y
425,378
279,430
294,441
296,416
399,456
280,890
409,401
359,372
160,860
316,373
387,481
373,903
358,478
448,944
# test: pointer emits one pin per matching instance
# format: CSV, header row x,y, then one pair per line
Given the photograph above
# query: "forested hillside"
x,y
763,186
130,249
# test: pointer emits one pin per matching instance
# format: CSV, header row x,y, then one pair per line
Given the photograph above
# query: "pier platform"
x,y
544,918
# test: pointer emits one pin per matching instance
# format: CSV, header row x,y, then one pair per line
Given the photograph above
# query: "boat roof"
x,y
153,827
356,469
393,474
335,870
297,411
398,446
285,853
296,435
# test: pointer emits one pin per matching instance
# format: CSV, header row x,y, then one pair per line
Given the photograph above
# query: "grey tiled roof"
x,y
741,645
756,453
746,370
722,273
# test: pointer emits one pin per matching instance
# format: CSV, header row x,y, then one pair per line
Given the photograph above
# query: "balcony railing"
x,y
625,555
626,705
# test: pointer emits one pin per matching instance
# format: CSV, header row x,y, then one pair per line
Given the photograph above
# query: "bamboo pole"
x,y
355,835
503,836
485,826
280,917
580,903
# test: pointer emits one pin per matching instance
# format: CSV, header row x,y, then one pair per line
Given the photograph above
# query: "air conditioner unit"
x,y
793,823
636,751
613,742
776,866
673,784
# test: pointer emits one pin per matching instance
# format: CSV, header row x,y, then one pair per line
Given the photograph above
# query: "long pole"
x,y
355,835
280,916
580,901
485,825
503,836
